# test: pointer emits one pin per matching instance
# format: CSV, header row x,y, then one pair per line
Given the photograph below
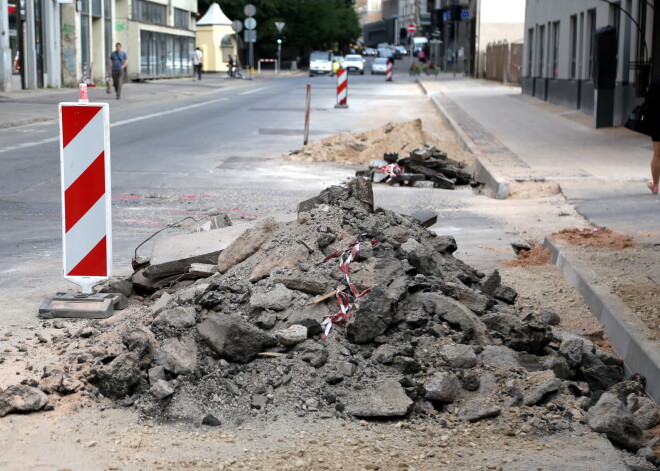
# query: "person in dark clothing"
x,y
118,63
230,66
654,102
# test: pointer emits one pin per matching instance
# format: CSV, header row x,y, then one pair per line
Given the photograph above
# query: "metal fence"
x,y
504,62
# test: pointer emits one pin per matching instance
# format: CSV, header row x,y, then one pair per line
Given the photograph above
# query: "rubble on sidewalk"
x,y
424,168
425,336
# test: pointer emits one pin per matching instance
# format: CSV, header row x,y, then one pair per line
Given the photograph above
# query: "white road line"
x,y
252,91
118,123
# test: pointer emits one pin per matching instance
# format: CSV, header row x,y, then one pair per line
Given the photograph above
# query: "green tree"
x,y
310,24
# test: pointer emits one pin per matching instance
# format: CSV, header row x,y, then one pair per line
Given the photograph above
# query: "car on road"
x,y
402,50
379,65
385,52
320,62
369,51
354,63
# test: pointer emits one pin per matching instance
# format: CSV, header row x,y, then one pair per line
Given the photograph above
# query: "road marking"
x,y
118,123
252,91
163,113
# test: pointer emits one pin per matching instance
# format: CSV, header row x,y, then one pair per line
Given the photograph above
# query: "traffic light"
x,y
281,39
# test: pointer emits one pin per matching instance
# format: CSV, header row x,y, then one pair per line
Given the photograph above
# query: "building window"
x,y
165,54
181,18
591,32
555,49
149,12
541,68
530,52
96,8
574,47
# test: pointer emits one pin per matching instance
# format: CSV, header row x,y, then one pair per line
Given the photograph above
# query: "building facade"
x,y
158,37
558,62
29,44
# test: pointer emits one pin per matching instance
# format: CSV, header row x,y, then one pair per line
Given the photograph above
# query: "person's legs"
x,y
116,81
654,184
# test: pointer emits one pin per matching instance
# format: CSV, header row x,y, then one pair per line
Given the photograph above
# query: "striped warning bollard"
x,y
388,74
85,176
342,89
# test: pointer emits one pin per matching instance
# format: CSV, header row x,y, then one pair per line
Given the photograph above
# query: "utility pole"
x,y
5,51
279,25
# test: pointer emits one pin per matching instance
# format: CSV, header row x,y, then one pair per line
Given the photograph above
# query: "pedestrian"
x,y
230,66
421,56
118,63
654,104
197,60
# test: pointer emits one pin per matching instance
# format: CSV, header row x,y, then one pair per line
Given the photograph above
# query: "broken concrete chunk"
x,y
478,409
388,399
455,314
161,303
277,299
178,356
372,318
21,399
539,385
518,244
161,389
443,388
180,317
301,281
505,294
233,338
490,281
156,373
314,353
362,190
118,378
426,217
644,410
203,269
292,335
245,244
610,416
459,356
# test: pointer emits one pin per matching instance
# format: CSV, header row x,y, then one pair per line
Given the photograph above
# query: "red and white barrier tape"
x,y
346,256
391,170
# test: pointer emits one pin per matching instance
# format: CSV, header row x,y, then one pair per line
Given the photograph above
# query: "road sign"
x,y
412,28
279,25
237,26
86,203
249,10
250,36
250,23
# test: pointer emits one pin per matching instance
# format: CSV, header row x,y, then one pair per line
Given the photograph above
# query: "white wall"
x,y
502,11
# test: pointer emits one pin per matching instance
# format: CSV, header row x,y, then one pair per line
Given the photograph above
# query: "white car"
x,y
320,62
379,65
354,63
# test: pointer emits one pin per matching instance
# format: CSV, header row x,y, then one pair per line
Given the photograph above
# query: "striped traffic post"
x,y
308,102
86,205
388,74
342,89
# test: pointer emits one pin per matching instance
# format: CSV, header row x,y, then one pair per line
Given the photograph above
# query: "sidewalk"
x,y
601,172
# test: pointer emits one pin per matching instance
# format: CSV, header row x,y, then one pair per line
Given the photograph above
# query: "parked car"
x,y
354,63
320,62
379,65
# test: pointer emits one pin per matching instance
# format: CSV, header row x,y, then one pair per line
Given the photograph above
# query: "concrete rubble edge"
x,y
640,355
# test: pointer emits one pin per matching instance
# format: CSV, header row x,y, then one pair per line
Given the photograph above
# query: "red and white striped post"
x,y
388,74
342,89
86,204
308,102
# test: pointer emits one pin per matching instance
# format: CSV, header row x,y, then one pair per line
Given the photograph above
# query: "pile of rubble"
x,y
425,168
348,311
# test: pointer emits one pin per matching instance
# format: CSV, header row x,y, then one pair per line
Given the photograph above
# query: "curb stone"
x,y
483,174
628,336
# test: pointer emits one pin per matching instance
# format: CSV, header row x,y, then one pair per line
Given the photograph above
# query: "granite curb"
x,y
626,333
483,173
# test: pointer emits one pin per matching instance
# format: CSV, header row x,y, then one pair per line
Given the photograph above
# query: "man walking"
x,y
230,66
197,60
118,62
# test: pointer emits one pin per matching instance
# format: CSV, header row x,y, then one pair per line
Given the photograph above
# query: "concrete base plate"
x,y
82,306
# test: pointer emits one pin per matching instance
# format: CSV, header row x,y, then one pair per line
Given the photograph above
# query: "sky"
x,y
503,11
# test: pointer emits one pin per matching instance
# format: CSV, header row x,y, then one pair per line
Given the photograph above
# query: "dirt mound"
x,y
359,148
530,258
595,238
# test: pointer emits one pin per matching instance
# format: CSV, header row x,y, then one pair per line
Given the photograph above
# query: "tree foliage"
x,y
310,24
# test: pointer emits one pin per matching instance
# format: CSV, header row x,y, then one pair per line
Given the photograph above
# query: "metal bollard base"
x,y
341,106
82,306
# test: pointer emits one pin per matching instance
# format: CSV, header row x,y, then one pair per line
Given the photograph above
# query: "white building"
x,y
559,45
